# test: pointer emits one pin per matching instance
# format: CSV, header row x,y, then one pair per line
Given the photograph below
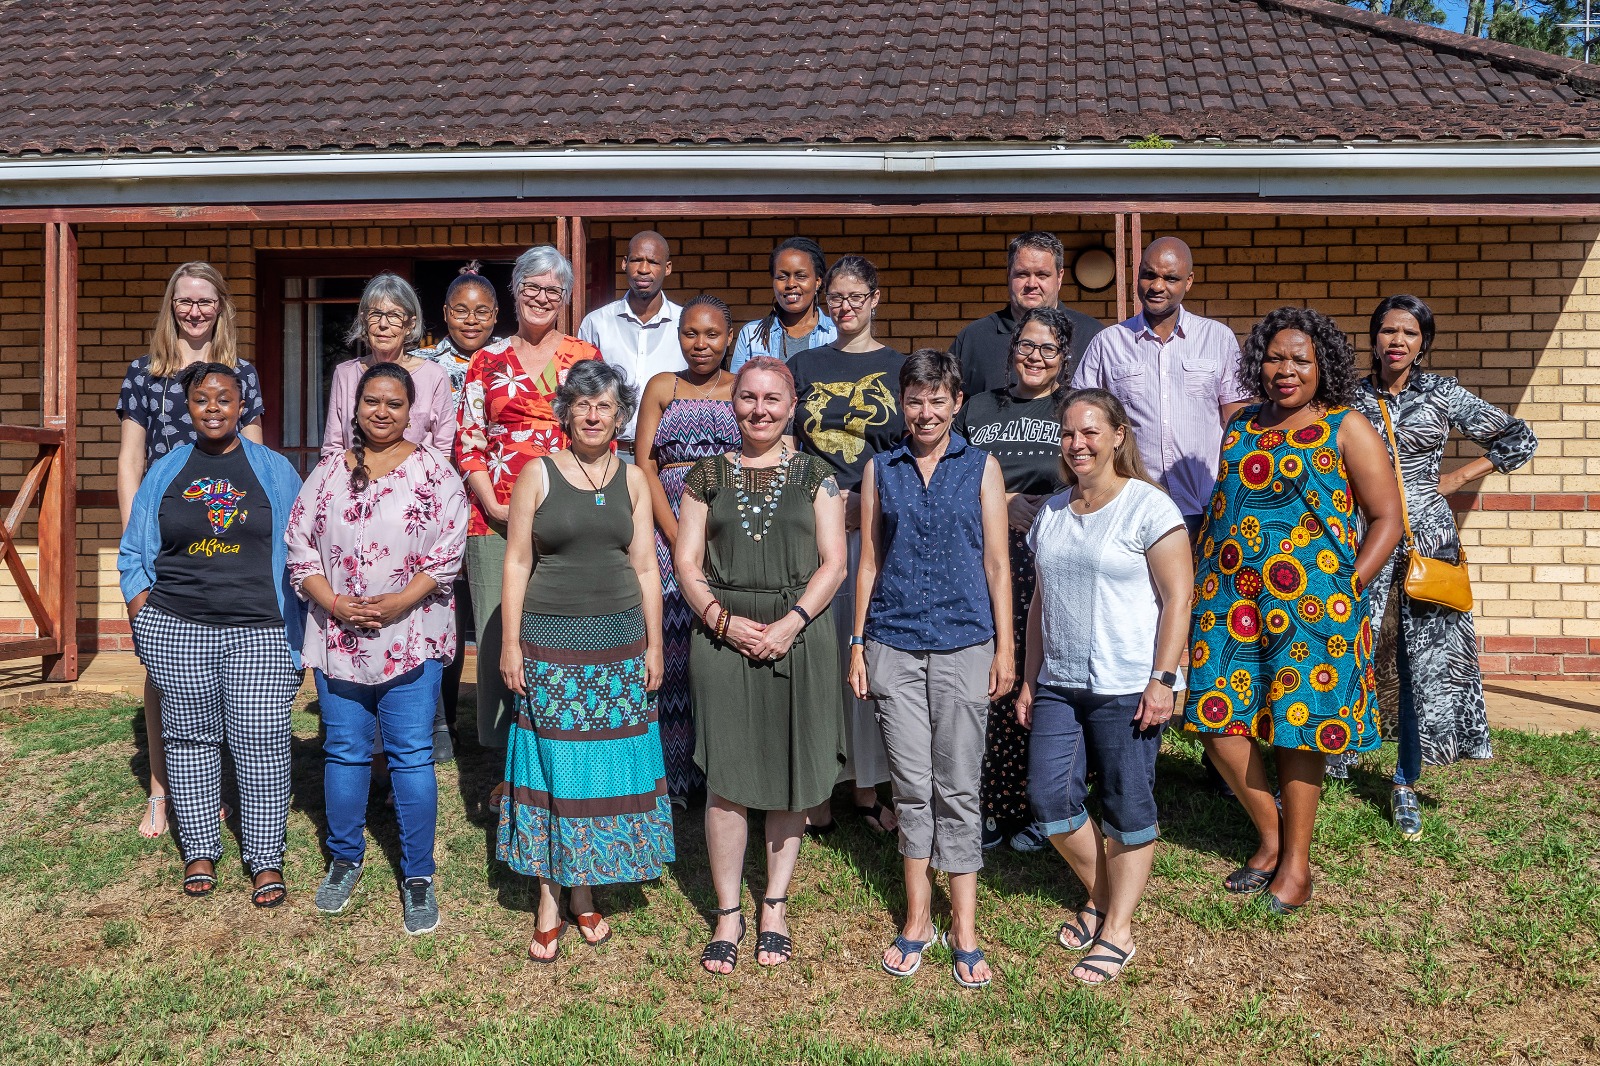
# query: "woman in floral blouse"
x,y
506,420
375,540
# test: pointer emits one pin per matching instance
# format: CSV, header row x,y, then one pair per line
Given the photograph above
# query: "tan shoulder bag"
x,y
1427,579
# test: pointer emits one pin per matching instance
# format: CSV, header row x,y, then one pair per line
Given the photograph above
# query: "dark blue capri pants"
x,y
1075,730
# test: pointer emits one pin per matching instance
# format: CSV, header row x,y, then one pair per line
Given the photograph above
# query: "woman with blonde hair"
x,y
1111,545
194,325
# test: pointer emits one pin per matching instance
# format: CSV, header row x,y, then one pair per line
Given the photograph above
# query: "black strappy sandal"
x,y
1080,929
774,943
873,816
1106,952
723,950
198,886
271,894
1247,880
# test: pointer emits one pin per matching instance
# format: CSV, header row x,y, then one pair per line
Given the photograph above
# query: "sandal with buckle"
x,y
1247,880
544,940
1108,953
587,923
961,958
907,948
271,894
774,943
1080,929
197,885
723,950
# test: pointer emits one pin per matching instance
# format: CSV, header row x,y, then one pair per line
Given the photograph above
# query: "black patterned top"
x,y
1424,413
159,405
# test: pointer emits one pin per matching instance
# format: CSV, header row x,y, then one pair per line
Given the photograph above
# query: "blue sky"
x,y
1457,14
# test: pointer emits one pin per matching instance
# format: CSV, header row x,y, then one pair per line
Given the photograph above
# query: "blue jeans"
x,y
1074,731
1409,766
352,713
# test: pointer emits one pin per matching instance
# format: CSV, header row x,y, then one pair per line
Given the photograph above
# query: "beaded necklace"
x,y
759,510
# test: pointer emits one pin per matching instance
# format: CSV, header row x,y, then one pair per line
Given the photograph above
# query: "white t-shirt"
x,y
1100,610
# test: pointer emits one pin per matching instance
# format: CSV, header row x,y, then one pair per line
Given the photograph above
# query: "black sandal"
x,y
820,830
1108,952
196,886
723,950
774,943
1080,929
271,894
1247,880
873,814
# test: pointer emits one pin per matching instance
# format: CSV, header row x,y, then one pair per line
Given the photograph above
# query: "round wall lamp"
x,y
1094,270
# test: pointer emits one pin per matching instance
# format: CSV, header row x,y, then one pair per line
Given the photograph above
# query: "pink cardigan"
x,y
433,415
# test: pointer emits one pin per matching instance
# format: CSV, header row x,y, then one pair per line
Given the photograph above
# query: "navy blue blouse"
x,y
932,593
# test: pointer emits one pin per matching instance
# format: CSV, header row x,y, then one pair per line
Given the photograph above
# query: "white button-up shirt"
x,y
640,349
1173,391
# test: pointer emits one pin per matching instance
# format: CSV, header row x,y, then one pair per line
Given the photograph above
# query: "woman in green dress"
x,y
760,553
1281,649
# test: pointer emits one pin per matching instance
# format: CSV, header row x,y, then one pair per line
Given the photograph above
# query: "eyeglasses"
x,y
1046,352
184,306
550,294
854,300
472,314
387,318
603,408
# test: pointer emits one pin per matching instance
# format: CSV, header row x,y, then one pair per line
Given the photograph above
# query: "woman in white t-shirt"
x,y
1106,630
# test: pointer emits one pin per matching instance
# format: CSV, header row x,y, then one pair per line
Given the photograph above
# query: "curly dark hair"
x,y
1056,321
1336,363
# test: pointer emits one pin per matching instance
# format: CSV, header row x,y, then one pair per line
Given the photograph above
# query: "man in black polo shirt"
x,y
1035,269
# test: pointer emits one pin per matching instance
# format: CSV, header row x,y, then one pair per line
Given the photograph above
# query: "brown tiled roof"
x,y
96,76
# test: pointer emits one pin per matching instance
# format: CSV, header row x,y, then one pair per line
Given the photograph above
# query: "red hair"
x,y
768,364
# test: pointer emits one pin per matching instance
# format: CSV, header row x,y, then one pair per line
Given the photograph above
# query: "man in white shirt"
x,y
638,334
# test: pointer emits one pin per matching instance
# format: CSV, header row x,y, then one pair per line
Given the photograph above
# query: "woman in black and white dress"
x,y
1430,682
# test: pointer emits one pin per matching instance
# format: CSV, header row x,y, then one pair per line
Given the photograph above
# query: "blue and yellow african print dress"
x,y
1281,643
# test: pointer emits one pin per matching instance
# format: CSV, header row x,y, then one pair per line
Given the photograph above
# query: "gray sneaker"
x,y
338,889
1031,838
420,908
1407,812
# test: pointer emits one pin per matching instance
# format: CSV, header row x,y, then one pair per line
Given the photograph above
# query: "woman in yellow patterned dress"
x,y
1281,648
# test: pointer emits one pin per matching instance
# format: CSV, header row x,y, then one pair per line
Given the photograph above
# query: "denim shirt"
x,y
746,344
932,593
141,541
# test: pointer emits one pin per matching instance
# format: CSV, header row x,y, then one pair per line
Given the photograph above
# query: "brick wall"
x,y
1518,307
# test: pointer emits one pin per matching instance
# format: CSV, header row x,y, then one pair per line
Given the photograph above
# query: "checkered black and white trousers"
x,y
223,683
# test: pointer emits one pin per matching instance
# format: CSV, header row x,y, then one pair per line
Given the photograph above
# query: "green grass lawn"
x,y
1479,944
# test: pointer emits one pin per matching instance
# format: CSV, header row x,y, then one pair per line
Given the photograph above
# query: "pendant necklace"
x,y
759,506
599,497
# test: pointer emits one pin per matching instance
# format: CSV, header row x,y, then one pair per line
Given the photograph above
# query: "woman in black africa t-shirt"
x,y
848,410
1020,427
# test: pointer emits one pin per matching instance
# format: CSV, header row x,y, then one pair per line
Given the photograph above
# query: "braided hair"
x,y
359,478
705,299
819,263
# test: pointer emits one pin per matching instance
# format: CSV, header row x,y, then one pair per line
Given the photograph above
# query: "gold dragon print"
x,y
869,403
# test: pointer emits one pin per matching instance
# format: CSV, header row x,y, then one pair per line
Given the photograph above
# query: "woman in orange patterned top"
x,y
505,421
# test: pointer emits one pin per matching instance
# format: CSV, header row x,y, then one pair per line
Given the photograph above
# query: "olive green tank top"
x,y
582,568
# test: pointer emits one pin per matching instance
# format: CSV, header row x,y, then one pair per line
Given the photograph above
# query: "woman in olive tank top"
x,y
588,794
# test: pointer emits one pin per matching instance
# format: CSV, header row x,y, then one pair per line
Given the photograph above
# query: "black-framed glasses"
x,y
853,300
183,305
1047,352
551,294
386,318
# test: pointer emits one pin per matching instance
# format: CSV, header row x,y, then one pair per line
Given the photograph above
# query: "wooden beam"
x,y
1122,272
58,511
1584,206
578,235
1135,254
563,245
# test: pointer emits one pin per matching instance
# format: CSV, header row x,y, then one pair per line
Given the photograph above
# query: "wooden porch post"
x,y
1122,272
1135,249
58,506
564,245
577,233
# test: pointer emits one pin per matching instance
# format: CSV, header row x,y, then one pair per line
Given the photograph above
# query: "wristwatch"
x,y
858,642
1166,677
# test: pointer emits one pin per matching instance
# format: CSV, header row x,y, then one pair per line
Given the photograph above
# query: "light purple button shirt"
x,y
1173,391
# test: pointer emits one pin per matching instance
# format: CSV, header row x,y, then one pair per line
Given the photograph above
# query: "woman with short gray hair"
x,y
387,327
506,419
587,800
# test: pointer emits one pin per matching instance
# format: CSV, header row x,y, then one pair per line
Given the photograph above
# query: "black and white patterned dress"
x,y
1441,644
159,405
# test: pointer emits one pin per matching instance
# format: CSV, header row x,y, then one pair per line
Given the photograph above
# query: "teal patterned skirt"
x,y
588,802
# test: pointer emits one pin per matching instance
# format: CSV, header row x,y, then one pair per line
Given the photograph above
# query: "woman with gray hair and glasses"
x,y
387,329
506,419
587,802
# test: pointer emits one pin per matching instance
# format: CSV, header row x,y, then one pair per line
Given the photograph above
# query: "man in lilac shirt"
x,y
1177,375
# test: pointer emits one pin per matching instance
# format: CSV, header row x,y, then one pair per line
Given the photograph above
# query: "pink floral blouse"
x,y
412,520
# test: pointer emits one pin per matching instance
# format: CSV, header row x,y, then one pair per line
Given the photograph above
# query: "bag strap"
x,y
1394,453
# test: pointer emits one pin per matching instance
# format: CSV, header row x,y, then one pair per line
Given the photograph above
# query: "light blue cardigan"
x,y
141,542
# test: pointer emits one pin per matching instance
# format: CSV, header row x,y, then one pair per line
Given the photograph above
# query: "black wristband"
x,y
801,611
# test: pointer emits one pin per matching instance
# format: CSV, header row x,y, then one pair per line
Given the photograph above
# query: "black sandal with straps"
x,y
774,943
723,950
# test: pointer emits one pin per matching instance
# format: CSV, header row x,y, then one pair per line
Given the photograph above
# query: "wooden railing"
x,y
50,599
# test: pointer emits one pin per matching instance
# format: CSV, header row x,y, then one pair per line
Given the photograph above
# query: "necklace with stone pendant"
x,y
599,494
759,509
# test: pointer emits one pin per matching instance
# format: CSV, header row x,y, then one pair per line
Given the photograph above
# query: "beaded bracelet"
x,y
722,625
706,614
